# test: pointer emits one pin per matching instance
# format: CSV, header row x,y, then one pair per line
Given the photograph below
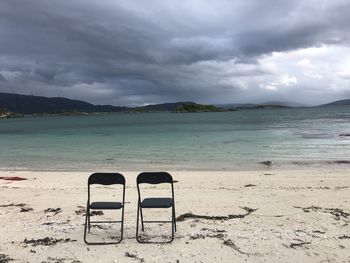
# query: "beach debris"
x,y
318,232
12,178
5,258
336,212
99,227
47,241
214,230
250,185
24,207
82,211
96,213
185,216
214,234
12,204
55,211
344,237
231,244
300,243
61,260
341,187
341,162
268,164
55,223
134,256
197,236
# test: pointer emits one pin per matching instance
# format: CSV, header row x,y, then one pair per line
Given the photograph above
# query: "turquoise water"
x,y
174,141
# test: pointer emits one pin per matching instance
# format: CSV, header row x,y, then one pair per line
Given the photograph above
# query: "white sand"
x,y
266,235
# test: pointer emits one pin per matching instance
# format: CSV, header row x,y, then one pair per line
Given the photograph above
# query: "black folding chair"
x,y
155,202
104,179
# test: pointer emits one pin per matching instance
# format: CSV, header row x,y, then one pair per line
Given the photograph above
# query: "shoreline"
x,y
336,164
223,216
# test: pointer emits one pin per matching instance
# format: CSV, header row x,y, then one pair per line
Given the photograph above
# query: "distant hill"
x,y
292,104
13,105
249,106
160,107
27,104
345,102
263,105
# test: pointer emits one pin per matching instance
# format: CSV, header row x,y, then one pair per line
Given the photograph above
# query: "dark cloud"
x,y
135,52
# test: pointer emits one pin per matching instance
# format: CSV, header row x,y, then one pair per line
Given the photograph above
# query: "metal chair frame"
x,y
104,179
154,178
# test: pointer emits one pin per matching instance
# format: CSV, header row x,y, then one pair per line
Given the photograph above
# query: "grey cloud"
x,y
155,51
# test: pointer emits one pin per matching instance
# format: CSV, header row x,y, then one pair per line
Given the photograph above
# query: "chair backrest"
x,y
154,178
106,179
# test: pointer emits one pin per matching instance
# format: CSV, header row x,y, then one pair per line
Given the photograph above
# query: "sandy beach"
x,y
251,216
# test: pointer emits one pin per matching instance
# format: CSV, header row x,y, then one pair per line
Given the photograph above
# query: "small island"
x,y
194,107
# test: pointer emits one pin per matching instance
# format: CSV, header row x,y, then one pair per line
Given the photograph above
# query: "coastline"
x,y
296,215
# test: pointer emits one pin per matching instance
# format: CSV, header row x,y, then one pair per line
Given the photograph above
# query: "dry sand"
x,y
251,216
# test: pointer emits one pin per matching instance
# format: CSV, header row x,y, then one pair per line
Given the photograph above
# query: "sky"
x,y
130,52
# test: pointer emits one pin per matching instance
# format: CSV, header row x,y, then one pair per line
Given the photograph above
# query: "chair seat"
x,y
106,205
160,202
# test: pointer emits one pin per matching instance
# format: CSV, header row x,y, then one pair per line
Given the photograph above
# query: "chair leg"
x,y
174,218
172,225
143,228
85,227
88,218
122,225
137,223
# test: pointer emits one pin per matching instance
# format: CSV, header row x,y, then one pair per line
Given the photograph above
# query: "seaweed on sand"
x,y
185,216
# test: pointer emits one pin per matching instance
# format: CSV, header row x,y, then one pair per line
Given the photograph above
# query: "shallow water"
x,y
174,141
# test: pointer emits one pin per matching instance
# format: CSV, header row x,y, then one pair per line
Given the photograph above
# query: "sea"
x,y
236,140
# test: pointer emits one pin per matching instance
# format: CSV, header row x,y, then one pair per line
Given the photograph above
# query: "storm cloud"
x,y
140,52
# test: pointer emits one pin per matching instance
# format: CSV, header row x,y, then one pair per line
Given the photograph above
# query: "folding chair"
x,y
155,202
104,179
